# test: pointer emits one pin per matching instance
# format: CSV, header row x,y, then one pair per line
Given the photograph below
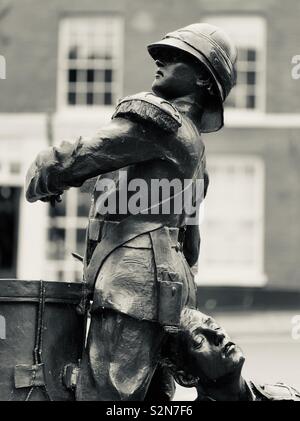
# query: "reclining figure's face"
x,y
211,351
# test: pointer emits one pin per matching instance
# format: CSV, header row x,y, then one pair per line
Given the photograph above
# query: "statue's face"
x,y
211,350
175,77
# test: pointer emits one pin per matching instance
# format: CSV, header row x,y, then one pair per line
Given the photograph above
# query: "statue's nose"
x,y
219,336
159,63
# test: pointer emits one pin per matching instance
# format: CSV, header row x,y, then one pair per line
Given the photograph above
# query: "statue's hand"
x,y
52,199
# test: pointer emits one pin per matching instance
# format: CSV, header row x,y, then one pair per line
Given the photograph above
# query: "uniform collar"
x,y
190,108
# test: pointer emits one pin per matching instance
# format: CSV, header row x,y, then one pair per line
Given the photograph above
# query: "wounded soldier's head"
x,y
201,354
202,351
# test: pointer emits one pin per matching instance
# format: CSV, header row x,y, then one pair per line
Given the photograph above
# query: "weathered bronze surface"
x,y
202,355
132,260
43,333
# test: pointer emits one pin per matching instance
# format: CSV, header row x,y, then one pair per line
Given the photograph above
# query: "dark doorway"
x,y
9,219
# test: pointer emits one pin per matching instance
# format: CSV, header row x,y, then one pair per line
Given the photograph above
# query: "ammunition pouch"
x,y
169,283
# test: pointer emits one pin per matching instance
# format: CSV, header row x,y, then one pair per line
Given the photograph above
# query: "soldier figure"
x,y
202,355
137,266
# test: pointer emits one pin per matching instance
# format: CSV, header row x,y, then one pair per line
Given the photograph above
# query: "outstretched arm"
x,y
121,143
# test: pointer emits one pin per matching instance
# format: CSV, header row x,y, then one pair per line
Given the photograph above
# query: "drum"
x,y
41,336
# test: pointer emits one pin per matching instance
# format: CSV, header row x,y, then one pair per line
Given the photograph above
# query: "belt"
x,y
119,234
98,230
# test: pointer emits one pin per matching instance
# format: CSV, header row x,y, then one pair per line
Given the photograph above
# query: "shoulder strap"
x,y
148,107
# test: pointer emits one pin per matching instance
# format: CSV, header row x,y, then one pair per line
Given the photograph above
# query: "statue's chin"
x,y
162,90
156,89
238,360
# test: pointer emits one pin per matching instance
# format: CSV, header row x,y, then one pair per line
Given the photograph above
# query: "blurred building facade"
x,y
69,61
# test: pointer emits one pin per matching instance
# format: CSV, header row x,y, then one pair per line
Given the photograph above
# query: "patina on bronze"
x,y
137,265
202,355
43,336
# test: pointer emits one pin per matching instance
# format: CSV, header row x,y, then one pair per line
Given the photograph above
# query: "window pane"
x,y
66,234
242,78
90,75
108,75
59,209
15,167
251,55
232,220
99,75
99,99
81,75
108,98
73,52
80,241
250,101
71,98
56,243
72,75
251,78
242,54
84,203
90,98
81,99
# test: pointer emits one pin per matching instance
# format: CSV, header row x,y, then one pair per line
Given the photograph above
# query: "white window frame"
x,y
70,223
248,32
233,276
62,81
9,177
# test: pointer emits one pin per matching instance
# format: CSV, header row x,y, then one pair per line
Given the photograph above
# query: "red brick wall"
x,y
29,35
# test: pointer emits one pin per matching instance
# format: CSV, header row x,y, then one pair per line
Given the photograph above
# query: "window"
x,y
66,234
9,220
11,182
232,227
90,61
11,171
249,35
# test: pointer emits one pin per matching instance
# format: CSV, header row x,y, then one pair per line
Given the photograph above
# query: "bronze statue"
x,y
137,265
202,355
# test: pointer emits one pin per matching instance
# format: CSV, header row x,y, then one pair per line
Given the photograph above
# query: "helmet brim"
x,y
213,116
156,48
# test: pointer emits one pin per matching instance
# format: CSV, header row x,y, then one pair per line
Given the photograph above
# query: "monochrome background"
x,y
67,64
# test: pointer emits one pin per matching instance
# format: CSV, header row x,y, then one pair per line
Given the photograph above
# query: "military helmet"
x,y
212,47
